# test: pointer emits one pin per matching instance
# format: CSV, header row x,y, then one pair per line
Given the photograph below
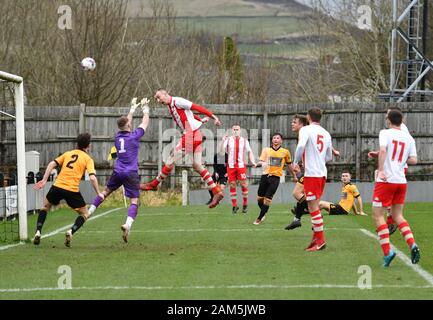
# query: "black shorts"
x,y
301,180
336,209
222,179
73,199
268,186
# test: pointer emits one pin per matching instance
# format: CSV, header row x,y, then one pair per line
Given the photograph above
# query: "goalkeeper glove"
x,y
145,105
134,105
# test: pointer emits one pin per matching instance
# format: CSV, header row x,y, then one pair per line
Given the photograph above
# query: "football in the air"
x,y
88,64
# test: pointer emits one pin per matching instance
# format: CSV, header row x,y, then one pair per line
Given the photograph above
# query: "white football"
x,y
88,63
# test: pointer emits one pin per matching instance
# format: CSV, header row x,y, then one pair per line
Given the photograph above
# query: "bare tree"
x,y
134,56
352,63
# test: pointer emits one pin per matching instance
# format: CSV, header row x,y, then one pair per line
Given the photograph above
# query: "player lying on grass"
x,y
73,165
125,172
190,144
349,192
272,159
397,148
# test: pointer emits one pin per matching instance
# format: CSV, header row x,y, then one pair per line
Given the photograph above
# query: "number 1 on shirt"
x,y
122,145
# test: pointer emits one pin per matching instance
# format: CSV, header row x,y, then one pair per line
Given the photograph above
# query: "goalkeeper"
x,y
127,143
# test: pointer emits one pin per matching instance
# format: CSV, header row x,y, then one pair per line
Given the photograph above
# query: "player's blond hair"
x,y
122,122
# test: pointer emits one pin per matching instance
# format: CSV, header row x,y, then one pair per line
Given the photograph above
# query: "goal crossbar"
x,y
21,149
10,77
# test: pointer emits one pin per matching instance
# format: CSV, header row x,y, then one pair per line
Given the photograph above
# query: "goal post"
x,y
21,152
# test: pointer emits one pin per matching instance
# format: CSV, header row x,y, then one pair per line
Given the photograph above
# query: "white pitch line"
x,y
52,233
211,230
417,268
248,286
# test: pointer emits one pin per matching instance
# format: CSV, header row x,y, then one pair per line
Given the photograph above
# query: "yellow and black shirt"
x,y
73,165
275,159
348,194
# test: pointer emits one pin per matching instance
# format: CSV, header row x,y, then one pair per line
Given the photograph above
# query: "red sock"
x,y
317,221
244,196
216,189
389,219
406,232
233,196
161,176
383,233
206,176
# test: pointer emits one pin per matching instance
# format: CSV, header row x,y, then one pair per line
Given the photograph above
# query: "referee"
x,y
219,172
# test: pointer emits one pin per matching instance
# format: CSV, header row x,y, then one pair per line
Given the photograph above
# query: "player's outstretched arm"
x,y
361,207
222,147
94,183
373,154
382,157
291,171
145,108
302,142
329,153
202,120
44,180
335,152
412,160
355,209
134,106
252,159
206,112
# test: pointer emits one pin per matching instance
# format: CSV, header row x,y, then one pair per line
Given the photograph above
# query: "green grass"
x,y
246,28
277,50
198,253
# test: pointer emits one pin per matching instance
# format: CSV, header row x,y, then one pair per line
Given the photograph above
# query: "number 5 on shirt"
x,y
320,142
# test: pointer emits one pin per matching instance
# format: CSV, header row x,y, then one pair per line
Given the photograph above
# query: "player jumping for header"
x,y
127,143
182,112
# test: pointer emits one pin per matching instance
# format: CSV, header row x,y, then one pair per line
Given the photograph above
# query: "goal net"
x,y
13,200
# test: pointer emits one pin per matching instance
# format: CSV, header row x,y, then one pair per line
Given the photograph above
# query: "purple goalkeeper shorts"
x,y
130,181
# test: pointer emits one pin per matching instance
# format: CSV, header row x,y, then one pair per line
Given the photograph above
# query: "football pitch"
x,y
197,253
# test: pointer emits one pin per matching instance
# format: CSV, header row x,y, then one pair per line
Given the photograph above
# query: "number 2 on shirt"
x,y
394,151
122,145
320,142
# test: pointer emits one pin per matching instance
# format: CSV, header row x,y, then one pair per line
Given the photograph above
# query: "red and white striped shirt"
x,y
181,111
236,148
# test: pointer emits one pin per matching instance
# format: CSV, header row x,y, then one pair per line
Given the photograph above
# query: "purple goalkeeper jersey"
x,y
127,145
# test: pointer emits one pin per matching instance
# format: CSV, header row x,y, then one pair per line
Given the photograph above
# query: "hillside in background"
x,y
279,29
208,8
